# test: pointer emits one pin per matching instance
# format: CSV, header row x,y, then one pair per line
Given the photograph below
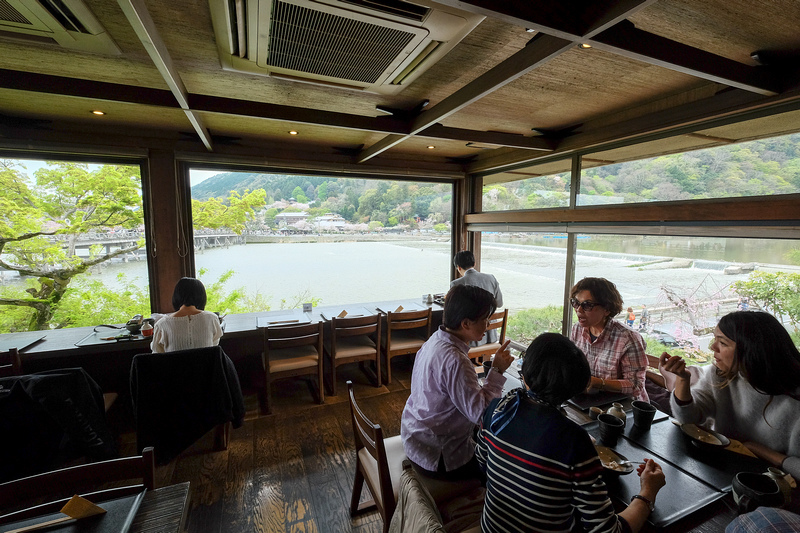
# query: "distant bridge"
x,y
116,240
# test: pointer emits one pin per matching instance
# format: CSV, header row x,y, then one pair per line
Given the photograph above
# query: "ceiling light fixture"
x,y
584,45
292,132
431,147
98,112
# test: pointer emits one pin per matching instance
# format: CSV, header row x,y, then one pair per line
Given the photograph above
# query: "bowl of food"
x,y
703,438
614,463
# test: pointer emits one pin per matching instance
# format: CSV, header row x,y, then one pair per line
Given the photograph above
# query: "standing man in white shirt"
x,y
465,264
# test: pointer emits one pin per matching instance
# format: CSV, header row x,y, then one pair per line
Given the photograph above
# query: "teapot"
x,y
617,410
780,478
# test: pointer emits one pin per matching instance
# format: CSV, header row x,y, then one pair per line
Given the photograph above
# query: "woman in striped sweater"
x,y
542,470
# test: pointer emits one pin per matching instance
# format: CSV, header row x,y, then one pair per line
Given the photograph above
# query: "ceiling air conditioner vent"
x,y
373,45
401,9
69,23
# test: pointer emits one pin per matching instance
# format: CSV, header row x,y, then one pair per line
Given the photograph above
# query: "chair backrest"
x,y
179,396
410,320
369,436
499,320
22,493
279,337
10,363
354,327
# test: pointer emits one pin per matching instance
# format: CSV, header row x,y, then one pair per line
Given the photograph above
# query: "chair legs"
x,y
358,486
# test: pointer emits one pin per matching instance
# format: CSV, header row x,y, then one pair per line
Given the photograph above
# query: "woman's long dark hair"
x,y
765,354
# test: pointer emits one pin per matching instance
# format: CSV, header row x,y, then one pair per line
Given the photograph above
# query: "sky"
x,y
195,176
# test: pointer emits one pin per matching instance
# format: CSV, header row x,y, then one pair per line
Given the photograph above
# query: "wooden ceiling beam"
x,y
497,138
91,90
540,50
626,40
611,32
142,23
198,103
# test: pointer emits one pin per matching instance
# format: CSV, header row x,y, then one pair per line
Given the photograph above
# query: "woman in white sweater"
x,y
753,391
189,326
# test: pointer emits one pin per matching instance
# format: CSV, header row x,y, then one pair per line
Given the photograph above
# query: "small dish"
x,y
703,438
614,463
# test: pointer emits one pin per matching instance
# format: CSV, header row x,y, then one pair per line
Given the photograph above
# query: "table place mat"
x,y
282,320
351,312
585,401
405,307
20,341
714,467
682,495
102,337
119,516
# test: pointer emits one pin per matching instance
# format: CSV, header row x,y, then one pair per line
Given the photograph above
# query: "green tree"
x,y
525,325
299,195
777,292
40,225
231,214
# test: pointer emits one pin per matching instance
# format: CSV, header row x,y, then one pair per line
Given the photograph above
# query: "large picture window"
x,y
73,244
271,241
757,168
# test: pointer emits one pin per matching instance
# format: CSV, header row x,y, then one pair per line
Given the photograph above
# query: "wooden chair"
x,y
406,332
354,340
10,363
291,351
497,321
379,463
180,396
87,480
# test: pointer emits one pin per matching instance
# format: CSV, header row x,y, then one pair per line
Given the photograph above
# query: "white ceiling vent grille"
x,y
69,23
378,46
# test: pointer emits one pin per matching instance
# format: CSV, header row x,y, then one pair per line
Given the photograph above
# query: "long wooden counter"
x,y
109,362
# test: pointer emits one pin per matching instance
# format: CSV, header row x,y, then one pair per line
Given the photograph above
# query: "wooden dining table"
x,y
697,497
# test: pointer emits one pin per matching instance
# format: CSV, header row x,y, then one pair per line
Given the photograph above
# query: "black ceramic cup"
x,y
643,414
611,428
754,490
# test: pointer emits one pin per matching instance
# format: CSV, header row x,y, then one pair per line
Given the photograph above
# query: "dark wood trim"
x,y
167,264
759,208
498,138
95,90
626,40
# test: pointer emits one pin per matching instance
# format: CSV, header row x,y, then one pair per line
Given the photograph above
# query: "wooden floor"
x,y
289,471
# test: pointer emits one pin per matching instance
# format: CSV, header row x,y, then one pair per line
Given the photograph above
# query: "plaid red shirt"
x,y
618,353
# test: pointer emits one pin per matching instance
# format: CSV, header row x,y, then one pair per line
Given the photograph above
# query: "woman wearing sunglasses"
x,y
616,353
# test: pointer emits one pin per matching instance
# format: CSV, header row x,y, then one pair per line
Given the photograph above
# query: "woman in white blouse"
x,y
190,326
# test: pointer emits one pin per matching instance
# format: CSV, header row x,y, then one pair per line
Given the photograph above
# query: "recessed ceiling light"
x,y
431,147
584,45
292,132
98,112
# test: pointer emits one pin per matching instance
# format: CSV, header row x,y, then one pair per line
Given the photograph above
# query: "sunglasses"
x,y
585,305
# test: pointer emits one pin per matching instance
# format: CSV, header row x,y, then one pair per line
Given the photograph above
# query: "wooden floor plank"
x,y
291,471
237,500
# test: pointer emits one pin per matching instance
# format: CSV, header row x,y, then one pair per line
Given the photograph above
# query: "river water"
x,y
352,272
